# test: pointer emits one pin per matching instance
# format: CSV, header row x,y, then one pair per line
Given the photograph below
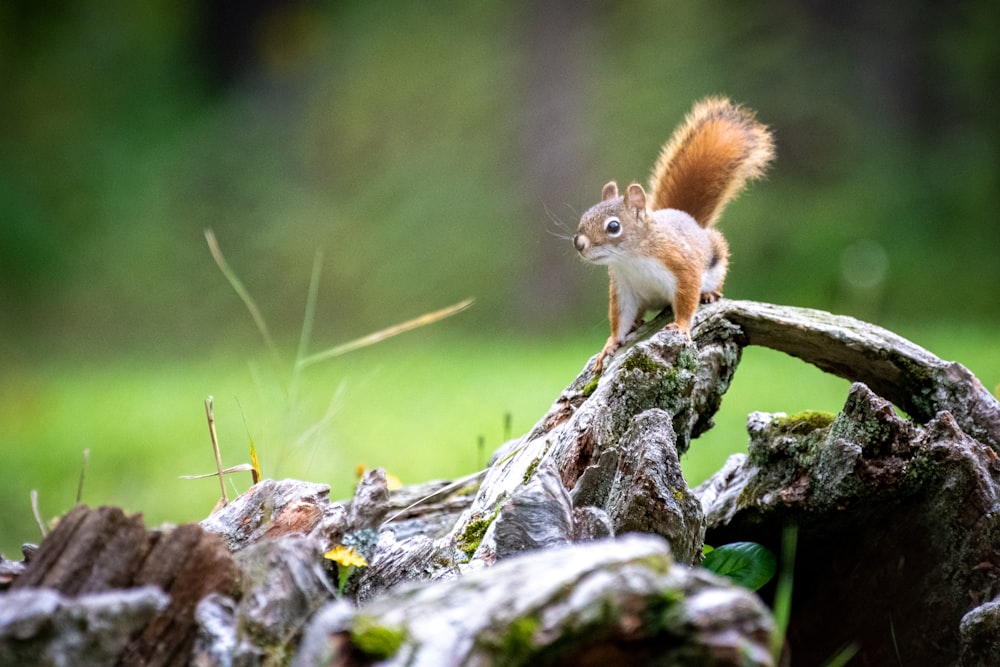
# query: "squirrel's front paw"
x,y
686,330
599,363
609,349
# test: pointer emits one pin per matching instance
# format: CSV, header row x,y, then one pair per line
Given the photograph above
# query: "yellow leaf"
x,y
347,556
255,463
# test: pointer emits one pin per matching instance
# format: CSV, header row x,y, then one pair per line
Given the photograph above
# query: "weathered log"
x,y
12,569
584,438
599,603
102,550
40,626
604,459
906,374
867,489
89,551
413,543
429,509
980,635
686,380
898,534
187,563
274,508
648,493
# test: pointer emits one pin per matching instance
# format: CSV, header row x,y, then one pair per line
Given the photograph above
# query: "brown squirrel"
x,y
661,249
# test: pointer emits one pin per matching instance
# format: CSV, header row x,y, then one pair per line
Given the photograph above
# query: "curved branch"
x,y
906,374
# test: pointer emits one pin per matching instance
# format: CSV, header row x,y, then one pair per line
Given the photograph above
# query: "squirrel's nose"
x,y
580,242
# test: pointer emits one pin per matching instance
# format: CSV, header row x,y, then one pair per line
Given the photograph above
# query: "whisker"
x,y
563,232
558,235
567,232
554,218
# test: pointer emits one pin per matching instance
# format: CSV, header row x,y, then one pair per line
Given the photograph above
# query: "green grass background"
x,y
418,405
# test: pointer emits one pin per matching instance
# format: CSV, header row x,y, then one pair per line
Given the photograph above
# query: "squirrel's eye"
x,y
613,227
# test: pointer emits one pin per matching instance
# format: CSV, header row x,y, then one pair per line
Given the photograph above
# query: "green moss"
x,y
471,537
794,439
657,563
470,489
665,611
641,362
748,496
278,655
918,473
803,422
518,644
374,639
532,467
918,381
591,386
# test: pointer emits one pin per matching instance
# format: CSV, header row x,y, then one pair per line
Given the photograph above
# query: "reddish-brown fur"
x,y
709,159
701,168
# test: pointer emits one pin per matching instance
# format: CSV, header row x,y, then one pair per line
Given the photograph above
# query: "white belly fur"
x,y
646,284
641,285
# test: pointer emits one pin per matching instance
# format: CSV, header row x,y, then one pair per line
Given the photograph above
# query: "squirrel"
x,y
661,248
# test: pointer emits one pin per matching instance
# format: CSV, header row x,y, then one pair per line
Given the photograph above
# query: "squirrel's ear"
x,y
635,198
609,191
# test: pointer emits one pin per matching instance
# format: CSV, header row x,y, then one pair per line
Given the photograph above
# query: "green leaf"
x,y
748,564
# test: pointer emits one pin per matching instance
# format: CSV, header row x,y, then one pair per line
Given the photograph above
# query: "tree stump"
x,y
535,560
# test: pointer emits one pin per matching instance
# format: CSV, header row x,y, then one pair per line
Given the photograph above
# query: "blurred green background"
x,y
437,151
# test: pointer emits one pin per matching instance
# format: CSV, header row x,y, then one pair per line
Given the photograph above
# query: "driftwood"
x,y
898,545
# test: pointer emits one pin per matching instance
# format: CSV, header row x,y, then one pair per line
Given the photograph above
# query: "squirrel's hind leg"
x,y
711,297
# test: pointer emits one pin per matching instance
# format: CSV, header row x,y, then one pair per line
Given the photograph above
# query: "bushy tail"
x,y
711,156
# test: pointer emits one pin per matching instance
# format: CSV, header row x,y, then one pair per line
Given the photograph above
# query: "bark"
x,y
114,592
